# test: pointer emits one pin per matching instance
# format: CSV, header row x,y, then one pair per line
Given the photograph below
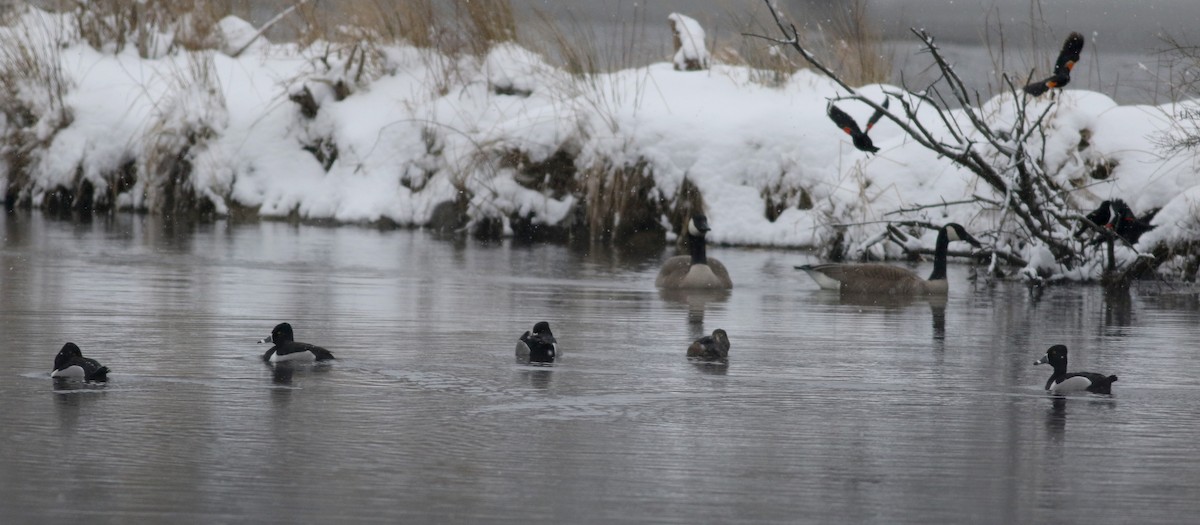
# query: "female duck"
x,y
538,347
696,270
287,349
888,279
1061,381
70,363
713,347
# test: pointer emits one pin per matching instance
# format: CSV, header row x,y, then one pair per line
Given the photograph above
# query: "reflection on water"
x,y
831,409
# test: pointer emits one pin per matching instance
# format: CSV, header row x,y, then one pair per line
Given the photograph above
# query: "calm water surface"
x,y
829,411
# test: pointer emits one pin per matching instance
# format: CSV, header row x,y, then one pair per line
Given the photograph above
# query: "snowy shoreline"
x,y
510,144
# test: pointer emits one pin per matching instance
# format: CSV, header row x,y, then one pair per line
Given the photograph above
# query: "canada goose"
x,y
713,347
287,349
1067,58
539,346
70,363
1061,381
697,270
888,279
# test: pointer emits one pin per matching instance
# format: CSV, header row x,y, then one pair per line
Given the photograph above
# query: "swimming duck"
x,y
696,270
888,279
287,349
70,363
539,346
1061,381
713,347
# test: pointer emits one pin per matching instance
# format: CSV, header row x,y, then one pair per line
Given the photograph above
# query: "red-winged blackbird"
x,y
1062,67
1117,216
860,138
1127,224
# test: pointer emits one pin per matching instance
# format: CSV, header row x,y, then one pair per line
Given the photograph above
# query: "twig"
x,y
267,26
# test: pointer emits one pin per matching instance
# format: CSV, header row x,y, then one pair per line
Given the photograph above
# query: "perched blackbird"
x,y
1099,216
1062,67
860,138
1117,216
1127,224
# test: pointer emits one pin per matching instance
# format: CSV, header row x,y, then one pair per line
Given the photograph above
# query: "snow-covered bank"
x,y
507,141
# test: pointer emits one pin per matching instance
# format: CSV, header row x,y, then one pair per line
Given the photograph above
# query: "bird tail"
x,y
1112,379
101,374
1037,88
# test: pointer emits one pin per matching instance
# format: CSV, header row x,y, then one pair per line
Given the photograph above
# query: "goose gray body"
x,y
887,279
697,270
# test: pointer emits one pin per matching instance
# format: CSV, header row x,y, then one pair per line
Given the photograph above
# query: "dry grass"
x,y
35,86
114,25
175,132
856,44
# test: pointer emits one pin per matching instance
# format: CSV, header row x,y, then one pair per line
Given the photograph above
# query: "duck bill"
x,y
1045,359
266,339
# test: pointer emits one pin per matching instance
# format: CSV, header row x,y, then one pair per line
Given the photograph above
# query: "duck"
x,y
286,348
1061,381
713,347
876,278
538,346
70,363
695,271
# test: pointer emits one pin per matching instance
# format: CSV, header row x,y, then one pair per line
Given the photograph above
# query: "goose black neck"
x,y
696,245
939,256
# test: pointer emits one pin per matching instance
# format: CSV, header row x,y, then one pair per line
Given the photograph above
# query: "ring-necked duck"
x,y
70,363
713,347
1061,381
287,349
538,346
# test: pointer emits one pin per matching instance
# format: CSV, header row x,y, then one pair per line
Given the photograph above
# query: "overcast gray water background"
x,y
829,411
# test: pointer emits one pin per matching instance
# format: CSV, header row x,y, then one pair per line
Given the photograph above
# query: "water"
x,y
829,411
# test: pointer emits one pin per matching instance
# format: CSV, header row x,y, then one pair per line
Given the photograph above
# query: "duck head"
x,y
542,331
69,351
1056,357
282,333
722,342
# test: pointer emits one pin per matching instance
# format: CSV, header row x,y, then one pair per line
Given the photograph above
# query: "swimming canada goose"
x,y
539,346
70,363
713,347
696,270
1061,381
888,279
287,349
